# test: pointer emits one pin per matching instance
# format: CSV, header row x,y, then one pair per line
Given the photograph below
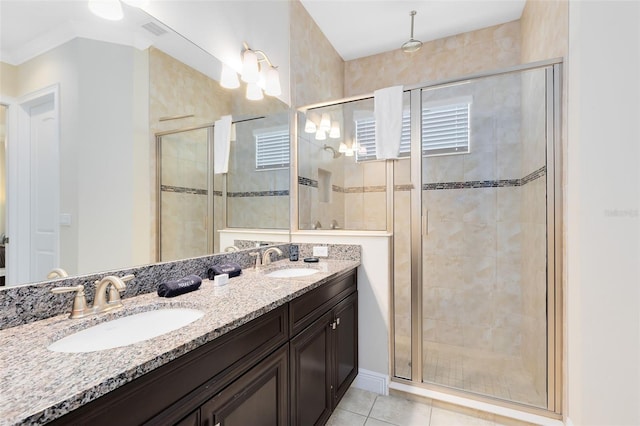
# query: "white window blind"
x,y
272,148
445,130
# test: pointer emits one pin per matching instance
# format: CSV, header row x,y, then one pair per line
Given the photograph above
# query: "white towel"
x,y
221,144
388,115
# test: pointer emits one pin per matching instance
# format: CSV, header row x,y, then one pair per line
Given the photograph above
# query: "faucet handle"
x,y
257,255
79,307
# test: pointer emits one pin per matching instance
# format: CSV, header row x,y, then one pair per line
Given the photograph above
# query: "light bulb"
x,y
334,133
310,126
321,135
254,93
273,82
325,122
229,78
107,9
249,67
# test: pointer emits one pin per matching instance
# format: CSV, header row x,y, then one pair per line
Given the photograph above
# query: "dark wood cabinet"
x,y
290,366
258,398
311,373
324,359
345,341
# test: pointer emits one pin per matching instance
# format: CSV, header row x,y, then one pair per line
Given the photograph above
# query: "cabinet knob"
x,y
333,325
338,321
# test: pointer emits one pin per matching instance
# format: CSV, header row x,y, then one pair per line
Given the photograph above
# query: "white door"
x,y
44,190
33,188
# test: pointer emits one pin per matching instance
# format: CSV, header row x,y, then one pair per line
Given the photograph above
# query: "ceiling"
x,y
358,28
29,28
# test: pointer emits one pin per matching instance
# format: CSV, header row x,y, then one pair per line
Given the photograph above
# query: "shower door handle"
x,y
425,223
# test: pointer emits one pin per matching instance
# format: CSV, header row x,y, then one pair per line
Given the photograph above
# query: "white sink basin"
x,y
293,272
126,330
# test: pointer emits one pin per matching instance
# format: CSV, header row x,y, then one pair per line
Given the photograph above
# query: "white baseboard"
x,y
372,382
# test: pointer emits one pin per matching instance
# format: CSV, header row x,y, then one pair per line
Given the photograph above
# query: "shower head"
x,y
336,154
412,45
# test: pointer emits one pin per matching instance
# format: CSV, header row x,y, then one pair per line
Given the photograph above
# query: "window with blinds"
x,y
445,130
272,148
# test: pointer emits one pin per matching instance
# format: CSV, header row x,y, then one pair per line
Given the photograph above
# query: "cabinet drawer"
x,y
143,398
310,306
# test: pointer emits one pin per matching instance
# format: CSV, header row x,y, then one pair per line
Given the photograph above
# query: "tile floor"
x,y
363,408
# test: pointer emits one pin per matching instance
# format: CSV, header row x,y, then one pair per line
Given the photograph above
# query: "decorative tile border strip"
x,y
183,190
501,183
361,189
404,187
307,182
279,193
534,175
217,193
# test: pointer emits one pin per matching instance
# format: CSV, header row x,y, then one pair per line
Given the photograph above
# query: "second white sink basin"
x,y
126,330
292,272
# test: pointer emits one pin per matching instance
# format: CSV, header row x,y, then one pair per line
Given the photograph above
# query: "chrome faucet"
x,y
266,256
101,302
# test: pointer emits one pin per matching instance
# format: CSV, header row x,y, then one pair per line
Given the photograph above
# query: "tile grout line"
x,y
371,409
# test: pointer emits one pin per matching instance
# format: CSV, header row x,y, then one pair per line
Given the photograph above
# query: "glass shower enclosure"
x,y
473,204
186,194
478,267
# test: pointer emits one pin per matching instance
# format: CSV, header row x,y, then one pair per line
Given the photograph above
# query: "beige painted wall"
x,y
8,80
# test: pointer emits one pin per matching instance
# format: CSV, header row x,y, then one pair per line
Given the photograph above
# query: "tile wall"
x,y
177,89
256,198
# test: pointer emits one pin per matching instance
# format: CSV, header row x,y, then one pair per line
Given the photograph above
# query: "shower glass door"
x,y
185,207
484,239
477,307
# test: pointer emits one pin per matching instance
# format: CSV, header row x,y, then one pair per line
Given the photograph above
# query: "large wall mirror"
x,y
109,130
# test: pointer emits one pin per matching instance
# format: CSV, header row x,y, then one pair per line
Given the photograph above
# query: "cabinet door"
x,y
258,398
192,419
345,340
311,374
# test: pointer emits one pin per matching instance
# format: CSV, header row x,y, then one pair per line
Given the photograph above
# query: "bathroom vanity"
x,y
268,351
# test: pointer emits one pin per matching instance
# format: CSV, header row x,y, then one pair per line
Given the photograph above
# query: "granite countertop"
x,y
39,385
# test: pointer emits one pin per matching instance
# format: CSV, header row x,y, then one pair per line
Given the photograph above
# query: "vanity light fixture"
x,y
229,78
325,122
254,92
334,133
310,126
321,135
257,71
343,147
